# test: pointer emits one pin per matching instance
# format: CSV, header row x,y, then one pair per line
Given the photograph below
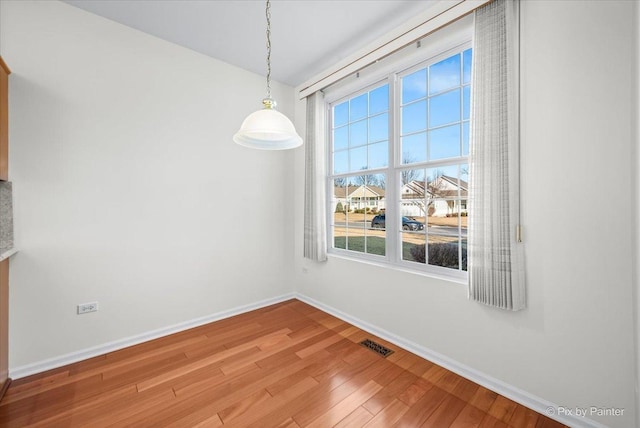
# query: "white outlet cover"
x,y
84,308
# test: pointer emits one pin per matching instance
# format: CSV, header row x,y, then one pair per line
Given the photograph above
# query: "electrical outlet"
x,y
84,308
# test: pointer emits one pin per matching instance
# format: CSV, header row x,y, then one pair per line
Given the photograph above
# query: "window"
x,y
399,169
360,145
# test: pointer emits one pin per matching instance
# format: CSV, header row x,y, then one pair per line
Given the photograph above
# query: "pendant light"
x,y
268,129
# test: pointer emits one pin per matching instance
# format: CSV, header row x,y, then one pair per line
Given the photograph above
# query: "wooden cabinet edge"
x,y
4,66
6,382
4,120
4,322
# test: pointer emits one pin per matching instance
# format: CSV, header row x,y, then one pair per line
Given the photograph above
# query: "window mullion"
x,y
392,183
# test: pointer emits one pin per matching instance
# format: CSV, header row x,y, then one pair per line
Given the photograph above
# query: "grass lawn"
x,y
375,245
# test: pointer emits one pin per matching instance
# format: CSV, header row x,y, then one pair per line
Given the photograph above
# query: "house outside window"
x,y
398,175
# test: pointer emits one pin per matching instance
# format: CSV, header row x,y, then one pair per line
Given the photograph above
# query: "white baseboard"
x,y
73,357
531,401
519,396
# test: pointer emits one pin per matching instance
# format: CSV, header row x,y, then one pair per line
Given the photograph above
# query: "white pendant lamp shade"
x,y
267,129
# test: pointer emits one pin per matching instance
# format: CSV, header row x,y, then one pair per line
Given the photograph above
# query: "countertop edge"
x,y
8,253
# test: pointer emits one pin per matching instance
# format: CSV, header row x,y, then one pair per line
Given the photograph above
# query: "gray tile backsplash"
x,y
6,216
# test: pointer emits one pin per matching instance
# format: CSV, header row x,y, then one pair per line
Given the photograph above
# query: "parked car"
x,y
407,223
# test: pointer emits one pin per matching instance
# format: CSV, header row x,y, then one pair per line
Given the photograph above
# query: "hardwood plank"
x,y
434,374
423,409
88,409
274,346
448,381
240,407
383,398
182,386
257,413
233,390
346,406
408,360
319,345
121,415
61,381
349,331
36,405
357,354
465,390
129,366
278,360
502,409
483,399
490,422
38,379
545,422
4,387
355,419
206,361
212,422
469,417
348,381
420,367
446,413
390,374
523,418
389,415
288,423
330,391
342,346
414,392
210,374
288,365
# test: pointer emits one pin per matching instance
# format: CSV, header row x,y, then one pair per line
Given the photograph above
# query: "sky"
x,y
434,113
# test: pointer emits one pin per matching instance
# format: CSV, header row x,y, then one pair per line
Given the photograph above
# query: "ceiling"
x,y
307,36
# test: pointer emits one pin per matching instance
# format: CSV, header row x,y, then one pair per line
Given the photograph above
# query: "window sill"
x,y
444,277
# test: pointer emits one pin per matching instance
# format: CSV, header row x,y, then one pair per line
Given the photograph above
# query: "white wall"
x,y
635,165
125,178
128,188
573,345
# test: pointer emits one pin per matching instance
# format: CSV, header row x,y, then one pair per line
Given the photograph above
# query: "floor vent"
x,y
376,347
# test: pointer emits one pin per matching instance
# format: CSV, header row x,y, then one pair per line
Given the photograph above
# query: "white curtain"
x,y
315,220
496,262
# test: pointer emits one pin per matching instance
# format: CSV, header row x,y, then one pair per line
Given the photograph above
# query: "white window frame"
x,y
441,45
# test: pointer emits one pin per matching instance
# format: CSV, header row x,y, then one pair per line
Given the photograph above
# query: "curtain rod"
x,y
442,13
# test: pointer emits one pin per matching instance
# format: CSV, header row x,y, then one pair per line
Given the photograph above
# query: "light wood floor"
x,y
287,365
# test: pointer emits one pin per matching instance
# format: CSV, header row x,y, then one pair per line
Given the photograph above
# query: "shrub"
x,y
339,208
418,253
440,255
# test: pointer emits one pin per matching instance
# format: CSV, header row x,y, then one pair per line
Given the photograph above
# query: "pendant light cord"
x,y
268,13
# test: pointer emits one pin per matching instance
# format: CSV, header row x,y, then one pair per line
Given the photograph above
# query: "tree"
x,y
366,180
409,175
436,185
